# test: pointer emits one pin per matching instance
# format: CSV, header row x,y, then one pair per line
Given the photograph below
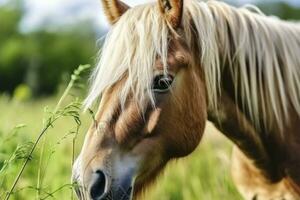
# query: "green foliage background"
x,y
41,59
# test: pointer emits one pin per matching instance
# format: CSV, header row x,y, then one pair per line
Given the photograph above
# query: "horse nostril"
x,y
97,190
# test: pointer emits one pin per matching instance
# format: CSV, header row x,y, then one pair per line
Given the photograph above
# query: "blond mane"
x,y
263,54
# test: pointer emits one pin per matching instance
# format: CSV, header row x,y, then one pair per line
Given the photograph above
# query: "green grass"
x,y
203,175
55,149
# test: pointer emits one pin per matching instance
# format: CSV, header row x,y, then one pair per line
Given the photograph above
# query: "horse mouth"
x,y
120,194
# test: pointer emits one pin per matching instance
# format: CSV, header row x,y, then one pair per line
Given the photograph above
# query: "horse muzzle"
x,y
102,189
103,186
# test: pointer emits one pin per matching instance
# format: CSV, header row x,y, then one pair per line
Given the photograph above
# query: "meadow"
x,y
203,175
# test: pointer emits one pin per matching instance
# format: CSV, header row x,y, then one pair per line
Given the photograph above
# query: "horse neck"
x,y
253,127
235,122
262,144
235,125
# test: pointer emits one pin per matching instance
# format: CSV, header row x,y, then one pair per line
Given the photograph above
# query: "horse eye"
x,y
162,83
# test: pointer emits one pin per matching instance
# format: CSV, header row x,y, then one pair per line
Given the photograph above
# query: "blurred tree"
x,y
52,54
12,55
39,59
9,20
280,9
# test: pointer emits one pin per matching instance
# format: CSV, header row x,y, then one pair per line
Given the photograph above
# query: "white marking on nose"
x,y
124,165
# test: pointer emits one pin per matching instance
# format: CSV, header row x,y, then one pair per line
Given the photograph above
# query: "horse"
x,y
167,68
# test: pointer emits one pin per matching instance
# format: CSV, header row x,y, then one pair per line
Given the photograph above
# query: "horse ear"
x,y
172,10
114,9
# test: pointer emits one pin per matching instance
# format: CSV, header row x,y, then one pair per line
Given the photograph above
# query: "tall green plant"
x,y
70,110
